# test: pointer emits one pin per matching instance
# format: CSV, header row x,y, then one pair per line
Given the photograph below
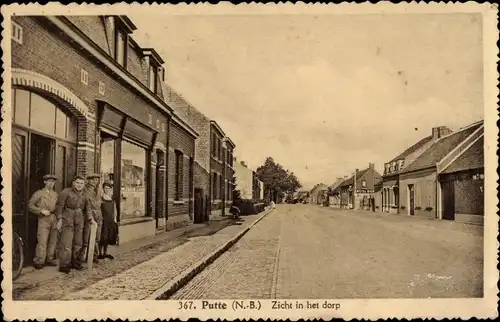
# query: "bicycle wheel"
x,y
17,256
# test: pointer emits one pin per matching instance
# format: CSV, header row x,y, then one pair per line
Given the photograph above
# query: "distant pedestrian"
x,y
43,204
235,211
109,221
72,210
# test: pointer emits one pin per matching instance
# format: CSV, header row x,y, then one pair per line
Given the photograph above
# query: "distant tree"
x,y
277,180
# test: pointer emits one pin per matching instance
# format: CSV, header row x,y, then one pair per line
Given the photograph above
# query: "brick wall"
x,y
47,52
183,142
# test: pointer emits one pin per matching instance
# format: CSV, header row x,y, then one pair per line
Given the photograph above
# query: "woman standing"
x,y
108,232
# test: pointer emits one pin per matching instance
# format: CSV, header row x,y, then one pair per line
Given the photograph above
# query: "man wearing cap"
x,y
94,194
43,204
72,210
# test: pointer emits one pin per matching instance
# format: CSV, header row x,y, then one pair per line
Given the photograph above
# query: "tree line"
x,y
277,180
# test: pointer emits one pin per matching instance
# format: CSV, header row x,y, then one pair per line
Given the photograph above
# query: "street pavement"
x,y
308,251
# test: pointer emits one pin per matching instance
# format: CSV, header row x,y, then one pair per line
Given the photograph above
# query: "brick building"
x,y
356,191
390,187
86,98
213,155
422,193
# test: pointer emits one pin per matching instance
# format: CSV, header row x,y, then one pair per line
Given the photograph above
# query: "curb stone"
x,y
168,289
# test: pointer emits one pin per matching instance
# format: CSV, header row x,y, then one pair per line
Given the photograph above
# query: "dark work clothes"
x,y
108,232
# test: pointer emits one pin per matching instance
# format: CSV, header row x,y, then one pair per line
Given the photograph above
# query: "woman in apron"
x,y
108,232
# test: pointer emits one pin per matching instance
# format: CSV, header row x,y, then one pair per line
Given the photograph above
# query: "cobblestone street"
x,y
307,251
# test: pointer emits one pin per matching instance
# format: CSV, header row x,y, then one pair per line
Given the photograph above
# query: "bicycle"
x,y
17,256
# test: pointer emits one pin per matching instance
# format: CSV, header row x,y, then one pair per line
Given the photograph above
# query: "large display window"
x,y
133,180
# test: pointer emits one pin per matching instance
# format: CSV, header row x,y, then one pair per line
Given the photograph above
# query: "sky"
x,y
323,94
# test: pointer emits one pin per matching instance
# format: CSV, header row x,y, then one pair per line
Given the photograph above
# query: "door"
x,y
198,205
41,163
448,200
159,185
411,190
20,183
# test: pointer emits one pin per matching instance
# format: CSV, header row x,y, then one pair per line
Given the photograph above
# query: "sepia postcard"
x,y
275,161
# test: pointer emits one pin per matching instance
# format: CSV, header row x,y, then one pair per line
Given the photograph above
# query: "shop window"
x,y
133,181
43,114
107,157
178,175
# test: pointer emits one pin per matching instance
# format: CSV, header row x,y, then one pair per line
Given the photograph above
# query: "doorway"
x,y
448,201
198,205
40,163
411,190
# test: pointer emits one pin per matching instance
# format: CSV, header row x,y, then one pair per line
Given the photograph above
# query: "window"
x,y
133,181
363,183
178,175
84,76
158,124
34,111
121,42
17,33
153,76
163,126
107,157
150,119
102,88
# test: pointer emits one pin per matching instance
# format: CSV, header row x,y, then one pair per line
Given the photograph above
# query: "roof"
x,y
336,183
185,126
350,181
441,148
319,187
412,148
472,158
227,139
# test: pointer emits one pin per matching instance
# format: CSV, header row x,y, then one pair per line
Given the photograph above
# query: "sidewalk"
x,y
144,280
49,284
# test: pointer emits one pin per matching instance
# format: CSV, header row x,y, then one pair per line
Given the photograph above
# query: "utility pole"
x,y
354,190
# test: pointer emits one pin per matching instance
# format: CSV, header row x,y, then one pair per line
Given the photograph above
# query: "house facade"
x,y
318,194
390,180
221,169
421,192
334,193
357,191
87,98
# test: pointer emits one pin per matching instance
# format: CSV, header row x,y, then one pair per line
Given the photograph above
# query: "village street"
x,y
308,251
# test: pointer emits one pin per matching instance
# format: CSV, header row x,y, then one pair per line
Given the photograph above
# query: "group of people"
x,y
65,221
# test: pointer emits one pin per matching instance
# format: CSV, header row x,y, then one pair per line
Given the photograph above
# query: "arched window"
x,y
37,113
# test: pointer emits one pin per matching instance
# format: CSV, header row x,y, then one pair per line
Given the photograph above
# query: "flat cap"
x,y
93,175
49,177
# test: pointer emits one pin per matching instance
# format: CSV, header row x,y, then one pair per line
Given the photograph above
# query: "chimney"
x,y
345,177
371,165
243,163
357,170
435,133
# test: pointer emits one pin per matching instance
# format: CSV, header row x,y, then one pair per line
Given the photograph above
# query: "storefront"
x,y
44,140
126,148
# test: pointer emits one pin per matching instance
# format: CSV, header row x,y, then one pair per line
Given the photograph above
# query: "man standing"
x,y
72,209
94,194
43,204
